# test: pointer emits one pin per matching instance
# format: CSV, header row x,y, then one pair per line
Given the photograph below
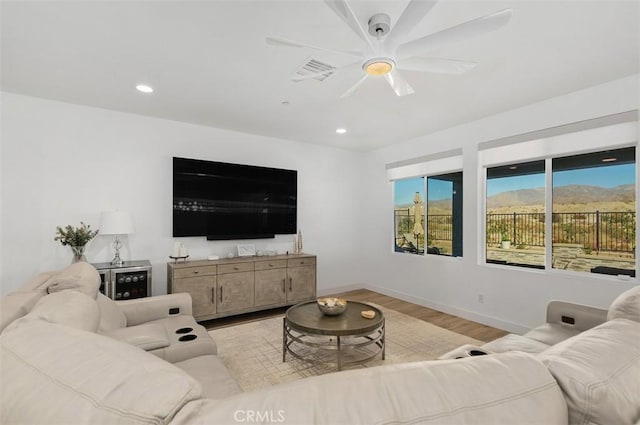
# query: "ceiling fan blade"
x,y
277,41
398,83
354,87
465,30
436,65
344,11
298,78
415,11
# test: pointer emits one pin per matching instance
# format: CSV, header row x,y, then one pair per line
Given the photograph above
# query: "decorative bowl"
x,y
332,306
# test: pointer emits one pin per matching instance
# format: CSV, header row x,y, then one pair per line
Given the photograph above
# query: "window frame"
x,y
559,142
427,166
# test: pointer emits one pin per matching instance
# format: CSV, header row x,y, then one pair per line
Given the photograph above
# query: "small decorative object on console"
x,y
332,306
246,250
368,314
179,252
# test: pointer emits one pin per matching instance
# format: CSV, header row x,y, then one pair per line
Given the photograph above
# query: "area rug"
x,y
253,351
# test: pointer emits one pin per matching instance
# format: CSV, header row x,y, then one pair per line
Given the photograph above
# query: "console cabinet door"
x,y
271,287
203,293
301,283
235,291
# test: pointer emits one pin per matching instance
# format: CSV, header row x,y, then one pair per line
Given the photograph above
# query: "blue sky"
x,y
611,176
405,190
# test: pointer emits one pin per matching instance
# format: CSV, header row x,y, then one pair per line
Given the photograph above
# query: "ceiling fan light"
x,y
378,66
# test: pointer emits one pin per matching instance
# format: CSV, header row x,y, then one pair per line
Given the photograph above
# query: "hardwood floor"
x,y
446,321
438,318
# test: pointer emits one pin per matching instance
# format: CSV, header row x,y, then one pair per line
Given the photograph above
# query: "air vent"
x,y
313,66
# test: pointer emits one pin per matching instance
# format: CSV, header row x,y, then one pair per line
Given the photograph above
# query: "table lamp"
x,y
116,223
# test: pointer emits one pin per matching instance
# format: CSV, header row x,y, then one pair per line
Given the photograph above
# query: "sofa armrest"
x,y
143,310
578,316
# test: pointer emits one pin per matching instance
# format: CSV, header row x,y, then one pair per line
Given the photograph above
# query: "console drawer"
x,y
267,265
179,273
304,261
235,268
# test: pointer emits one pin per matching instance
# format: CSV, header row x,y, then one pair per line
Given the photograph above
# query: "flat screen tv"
x,y
225,201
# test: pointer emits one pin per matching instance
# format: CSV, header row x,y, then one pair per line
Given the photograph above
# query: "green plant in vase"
x,y
76,238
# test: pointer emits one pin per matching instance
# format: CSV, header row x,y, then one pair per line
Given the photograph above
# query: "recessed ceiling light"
x,y
341,130
513,167
609,159
144,88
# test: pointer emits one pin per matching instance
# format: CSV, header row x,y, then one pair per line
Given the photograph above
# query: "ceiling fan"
x,y
387,51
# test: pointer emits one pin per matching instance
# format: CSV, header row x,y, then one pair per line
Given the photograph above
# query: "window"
x,y
515,221
441,232
593,213
408,205
444,214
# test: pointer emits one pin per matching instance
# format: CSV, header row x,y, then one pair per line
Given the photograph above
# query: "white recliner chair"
x,y
564,320
162,325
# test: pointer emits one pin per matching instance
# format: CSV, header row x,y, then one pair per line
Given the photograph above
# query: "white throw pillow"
x,y
80,276
68,308
626,306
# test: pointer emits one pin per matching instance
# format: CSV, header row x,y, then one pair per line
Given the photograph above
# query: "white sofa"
x,y
57,367
564,320
161,325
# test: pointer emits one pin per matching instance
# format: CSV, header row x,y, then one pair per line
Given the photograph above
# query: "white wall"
x,y
63,163
513,299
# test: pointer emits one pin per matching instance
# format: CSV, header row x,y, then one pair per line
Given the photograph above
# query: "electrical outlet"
x,y
481,298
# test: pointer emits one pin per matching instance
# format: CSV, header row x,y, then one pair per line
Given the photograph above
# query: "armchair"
x,y
162,325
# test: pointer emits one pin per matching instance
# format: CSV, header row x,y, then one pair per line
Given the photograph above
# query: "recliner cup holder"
x,y
477,353
184,330
189,337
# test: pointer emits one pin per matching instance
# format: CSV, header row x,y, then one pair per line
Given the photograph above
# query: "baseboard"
x,y
465,314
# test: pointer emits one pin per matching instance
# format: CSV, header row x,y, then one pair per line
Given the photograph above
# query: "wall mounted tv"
x,y
232,201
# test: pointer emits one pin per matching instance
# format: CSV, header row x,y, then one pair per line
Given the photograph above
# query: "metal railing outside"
x,y
595,230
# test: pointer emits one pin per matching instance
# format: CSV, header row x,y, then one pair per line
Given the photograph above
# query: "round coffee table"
x,y
310,335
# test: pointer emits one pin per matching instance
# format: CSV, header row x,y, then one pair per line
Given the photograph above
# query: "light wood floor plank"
x,y
453,323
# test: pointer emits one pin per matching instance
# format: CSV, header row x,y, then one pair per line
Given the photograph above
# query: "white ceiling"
x,y
210,65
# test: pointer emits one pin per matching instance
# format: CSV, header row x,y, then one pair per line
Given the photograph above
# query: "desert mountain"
x,y
570,194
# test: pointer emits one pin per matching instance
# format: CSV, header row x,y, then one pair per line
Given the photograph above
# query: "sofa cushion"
x,y
508,388
626,306
212,374
69,308
80,276
60,375
16,305
149,336
551,333
513,342
599,372
111,317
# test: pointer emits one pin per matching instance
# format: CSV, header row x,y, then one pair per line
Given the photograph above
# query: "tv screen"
x,y
232,201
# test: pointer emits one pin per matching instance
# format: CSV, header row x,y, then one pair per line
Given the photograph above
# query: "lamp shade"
x,y
116,223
